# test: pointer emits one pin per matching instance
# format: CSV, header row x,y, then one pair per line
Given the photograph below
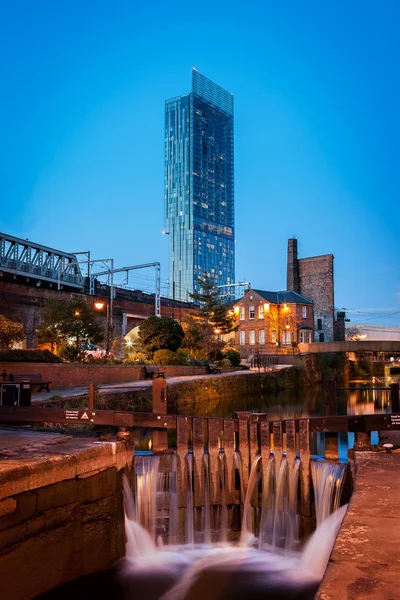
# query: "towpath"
x,y
365,562
81,392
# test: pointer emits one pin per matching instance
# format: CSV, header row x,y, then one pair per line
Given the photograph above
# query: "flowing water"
x,y
267,563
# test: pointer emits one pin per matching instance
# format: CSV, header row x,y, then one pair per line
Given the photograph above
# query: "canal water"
x,y
290,404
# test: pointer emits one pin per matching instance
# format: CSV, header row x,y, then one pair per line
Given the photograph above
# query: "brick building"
x,y
313,278
271,321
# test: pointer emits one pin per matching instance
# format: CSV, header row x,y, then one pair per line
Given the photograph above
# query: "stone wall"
x,y
70,375
61,514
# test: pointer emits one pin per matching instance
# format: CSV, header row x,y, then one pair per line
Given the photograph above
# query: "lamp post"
x,y
99,305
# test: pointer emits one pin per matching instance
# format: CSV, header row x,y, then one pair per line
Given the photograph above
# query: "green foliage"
x,y
212,320
28,356
225,362
195,339
233,355
10,332
139,358
160,333
69,324
213,311
166,357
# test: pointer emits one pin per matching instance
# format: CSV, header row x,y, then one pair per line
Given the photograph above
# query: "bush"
x,y
139,358
233,355
225,362
166,357
160,333
29,356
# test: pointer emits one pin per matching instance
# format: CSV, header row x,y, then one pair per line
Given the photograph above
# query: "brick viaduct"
x,y
21,302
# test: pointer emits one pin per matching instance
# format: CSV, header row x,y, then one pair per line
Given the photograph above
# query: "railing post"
x,y
244,422
305,468
229,450
92,396
395,397
213,453
198,460
159,394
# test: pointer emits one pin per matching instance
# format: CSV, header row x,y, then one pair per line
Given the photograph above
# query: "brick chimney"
x,y
292,282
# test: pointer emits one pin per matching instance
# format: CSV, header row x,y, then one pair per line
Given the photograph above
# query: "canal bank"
x,y
183,393
365,561
61,509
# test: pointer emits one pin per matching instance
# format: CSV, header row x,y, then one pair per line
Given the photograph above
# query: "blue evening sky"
x,y
317,130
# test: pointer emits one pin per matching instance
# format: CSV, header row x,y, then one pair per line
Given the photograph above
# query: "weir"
x,y
189,555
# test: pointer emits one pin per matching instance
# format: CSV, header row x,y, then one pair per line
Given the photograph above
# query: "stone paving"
x,y
365,562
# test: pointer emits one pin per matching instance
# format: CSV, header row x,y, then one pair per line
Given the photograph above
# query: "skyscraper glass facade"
x,y
199,186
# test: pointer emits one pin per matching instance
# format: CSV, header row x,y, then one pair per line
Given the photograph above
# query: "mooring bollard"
x,y
395,397
160,439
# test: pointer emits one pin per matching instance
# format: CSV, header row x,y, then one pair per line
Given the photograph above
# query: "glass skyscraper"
x,y
199,187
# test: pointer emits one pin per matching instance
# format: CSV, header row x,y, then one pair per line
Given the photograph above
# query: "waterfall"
x,y
327,481
270,566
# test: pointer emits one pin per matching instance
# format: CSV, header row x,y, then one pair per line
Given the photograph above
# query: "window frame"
x,y
242,313
252,337
252,310
242,338
261,337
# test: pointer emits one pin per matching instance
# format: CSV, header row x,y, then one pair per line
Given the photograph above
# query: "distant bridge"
x,y
26,259
360,347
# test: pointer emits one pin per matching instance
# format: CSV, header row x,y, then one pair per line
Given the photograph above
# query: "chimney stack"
x,y
292,282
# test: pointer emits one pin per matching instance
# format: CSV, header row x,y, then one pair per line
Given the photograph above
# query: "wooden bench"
x,y
33,378
213,369
152,372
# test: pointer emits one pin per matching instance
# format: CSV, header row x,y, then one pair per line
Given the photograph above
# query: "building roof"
x,y
284,297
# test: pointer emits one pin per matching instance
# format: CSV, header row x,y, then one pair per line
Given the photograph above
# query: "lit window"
x,y
251,312
261,311
242,338
252,338
304,312
242,317
273,336
261,337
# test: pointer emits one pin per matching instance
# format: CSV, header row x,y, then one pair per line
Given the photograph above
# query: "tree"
x,y
10,332
71,323
194,340
160,333
51,316
212,319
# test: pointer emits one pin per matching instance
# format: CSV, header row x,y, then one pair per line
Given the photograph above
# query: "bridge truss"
x,y
21,257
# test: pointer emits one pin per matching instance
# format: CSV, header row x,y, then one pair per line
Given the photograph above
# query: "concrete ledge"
x,y
365,562
31,467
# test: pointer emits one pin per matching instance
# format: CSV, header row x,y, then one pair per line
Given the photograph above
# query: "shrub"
x,y
225,362
233,355
139,358
29,356
166,357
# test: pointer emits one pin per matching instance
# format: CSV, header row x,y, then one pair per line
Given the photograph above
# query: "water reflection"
x,y
290,404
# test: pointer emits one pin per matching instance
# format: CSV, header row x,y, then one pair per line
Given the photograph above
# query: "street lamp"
x,y
99,305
